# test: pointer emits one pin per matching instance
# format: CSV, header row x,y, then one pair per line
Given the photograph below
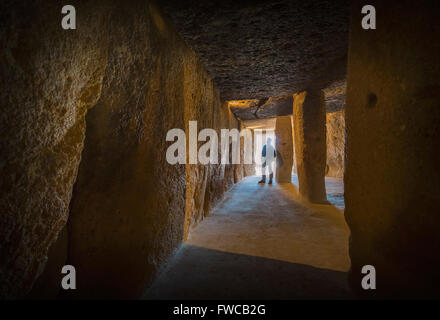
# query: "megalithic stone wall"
x,y
93,105
392,177
49,79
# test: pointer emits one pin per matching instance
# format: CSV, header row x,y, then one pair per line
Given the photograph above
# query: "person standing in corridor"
x,y
268,156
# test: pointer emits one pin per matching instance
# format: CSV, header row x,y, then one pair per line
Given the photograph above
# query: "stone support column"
x,y
284,146
310,144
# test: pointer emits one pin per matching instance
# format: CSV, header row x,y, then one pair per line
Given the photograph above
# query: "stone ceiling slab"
x,y
260,49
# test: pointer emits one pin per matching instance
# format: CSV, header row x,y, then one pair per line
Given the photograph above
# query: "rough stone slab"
x,y
310,144
128,208
335,124
245,109
276,106
262,108
268,123
392,178
334,96
259,49
283,133
49,78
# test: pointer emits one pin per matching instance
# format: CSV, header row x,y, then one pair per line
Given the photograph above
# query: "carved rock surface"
x,y
102,99
392,176
275,107
49,77
262,108
284,137
334,96
245,109
131,208
206,184
310,144
335,123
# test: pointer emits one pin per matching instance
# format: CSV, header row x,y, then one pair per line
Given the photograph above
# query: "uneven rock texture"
x,y
47,285
128,209
262,108
205,184
310,144
248,169
200,104
294,169
222,177
276,106
258,49
49,78
335,124
246,109
268,123
392,181
283,133
334,96
131,208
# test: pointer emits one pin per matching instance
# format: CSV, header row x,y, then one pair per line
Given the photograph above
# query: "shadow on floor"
x,y
212,274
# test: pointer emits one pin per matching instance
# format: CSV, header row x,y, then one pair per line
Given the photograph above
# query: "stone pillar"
x,y
283,133
238,168
310,144
249,169
294,170
392,176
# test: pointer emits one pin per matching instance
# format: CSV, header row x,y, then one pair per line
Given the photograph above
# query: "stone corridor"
x,y
91,118
261,242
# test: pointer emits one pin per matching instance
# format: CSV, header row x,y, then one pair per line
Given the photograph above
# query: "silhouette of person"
x,y
268,155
